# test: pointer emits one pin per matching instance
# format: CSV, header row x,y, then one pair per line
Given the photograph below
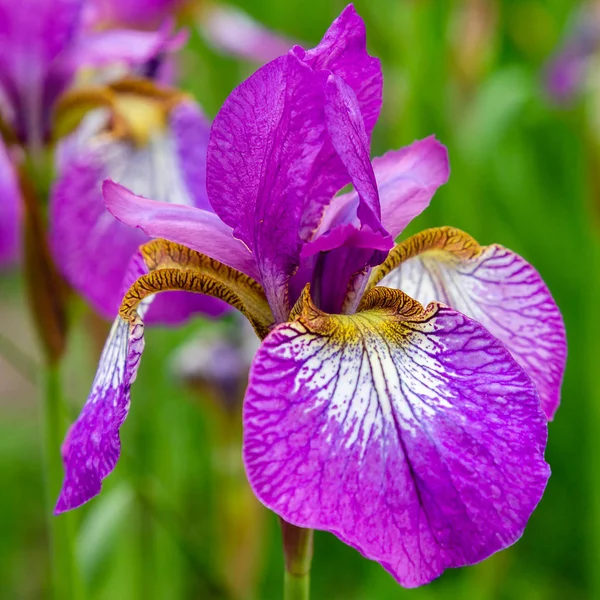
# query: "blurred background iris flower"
x,y
509,86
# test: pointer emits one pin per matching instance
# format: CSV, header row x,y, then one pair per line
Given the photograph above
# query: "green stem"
x,y
298,550
65,581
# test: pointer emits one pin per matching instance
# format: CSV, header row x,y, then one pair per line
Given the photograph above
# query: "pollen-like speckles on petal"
x,y
176,267
418,440
492,285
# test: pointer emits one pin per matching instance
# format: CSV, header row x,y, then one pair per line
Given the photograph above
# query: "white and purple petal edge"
x,y
503,292
92,446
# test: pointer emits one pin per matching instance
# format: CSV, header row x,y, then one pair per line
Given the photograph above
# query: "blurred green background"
x,y
525,173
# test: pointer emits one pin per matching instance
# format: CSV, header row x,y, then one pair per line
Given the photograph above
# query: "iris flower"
x,y
400,396
567,71
152,140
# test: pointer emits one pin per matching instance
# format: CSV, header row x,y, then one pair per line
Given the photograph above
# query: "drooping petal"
x,y
493,285
197,229
82,230
262,145
92,447
11,207
234,32
411,434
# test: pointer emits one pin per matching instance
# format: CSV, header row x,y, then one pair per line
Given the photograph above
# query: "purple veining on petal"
x,y
92,446
342,51
505,294
420,444
262,144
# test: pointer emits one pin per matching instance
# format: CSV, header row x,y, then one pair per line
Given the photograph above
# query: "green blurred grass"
x,y
522,176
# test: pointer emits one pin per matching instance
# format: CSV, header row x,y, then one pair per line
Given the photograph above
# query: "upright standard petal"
x,y
343,53
411,434
10,210
92,447
262,145
493,285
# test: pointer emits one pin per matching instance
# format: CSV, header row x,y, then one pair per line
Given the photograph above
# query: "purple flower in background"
x,y
151,140
138,14
567,71
11,206
232,31
49,44
415,434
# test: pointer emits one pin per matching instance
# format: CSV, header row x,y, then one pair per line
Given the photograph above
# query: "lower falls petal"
x,y
411,434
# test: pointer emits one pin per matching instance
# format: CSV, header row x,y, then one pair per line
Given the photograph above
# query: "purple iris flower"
x,y
50,43
400,396
153,141
567,71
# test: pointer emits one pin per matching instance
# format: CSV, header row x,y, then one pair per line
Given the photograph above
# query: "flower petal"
x,y
129,47
234,32
343,52
81,227
262,144
197,229
411,434
407,179
11,208
92,447
493,285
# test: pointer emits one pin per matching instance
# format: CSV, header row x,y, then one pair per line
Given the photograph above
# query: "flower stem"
x,y
298,550
66,584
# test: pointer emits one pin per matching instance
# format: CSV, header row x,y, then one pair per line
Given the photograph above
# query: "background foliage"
x,y
524,174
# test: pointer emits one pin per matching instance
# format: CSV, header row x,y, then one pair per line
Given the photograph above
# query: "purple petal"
x,y
407,179
129,47
342,51
11,208
142,14
36,32
505,294
197,229
82,229
418,442
190,130
232,31
92,447
262,144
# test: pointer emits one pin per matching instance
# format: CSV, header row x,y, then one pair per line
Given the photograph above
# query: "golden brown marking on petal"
x,y
443,239
383,312
138,107
176,267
